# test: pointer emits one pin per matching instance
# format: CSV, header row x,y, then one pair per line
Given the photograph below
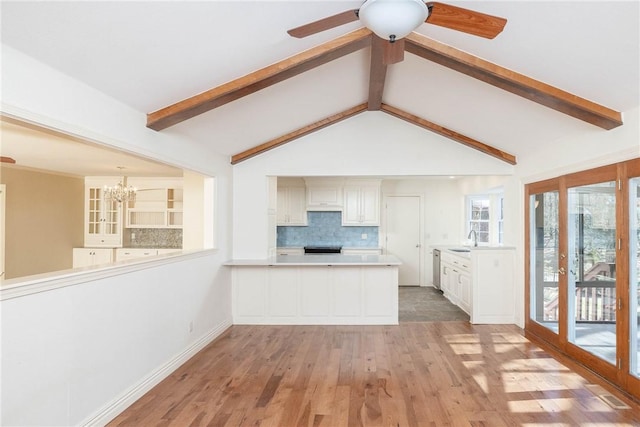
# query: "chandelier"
x,y
120,193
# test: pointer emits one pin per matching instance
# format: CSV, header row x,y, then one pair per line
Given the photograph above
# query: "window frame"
x,y
495,222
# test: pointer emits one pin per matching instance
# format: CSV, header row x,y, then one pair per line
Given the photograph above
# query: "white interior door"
x,y
402,228
3,193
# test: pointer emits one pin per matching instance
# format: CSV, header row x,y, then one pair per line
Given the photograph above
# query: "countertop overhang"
x,y
319,260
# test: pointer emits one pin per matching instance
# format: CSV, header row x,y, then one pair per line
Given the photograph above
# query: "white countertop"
x,y
318,260
467,254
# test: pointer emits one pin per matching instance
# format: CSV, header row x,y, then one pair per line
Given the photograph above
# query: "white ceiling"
x,y
150,54
42,150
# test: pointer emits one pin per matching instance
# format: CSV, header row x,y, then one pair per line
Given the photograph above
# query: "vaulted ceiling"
x,y
152,55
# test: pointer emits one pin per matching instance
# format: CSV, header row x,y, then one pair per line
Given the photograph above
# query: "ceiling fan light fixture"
x,y
393,19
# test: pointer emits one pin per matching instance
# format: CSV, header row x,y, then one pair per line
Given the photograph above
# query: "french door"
x,y
583,268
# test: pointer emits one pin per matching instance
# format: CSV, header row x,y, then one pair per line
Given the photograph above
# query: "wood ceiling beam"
x,y
448,133
513,82
392,52
306,130
259,79
383,53
377,74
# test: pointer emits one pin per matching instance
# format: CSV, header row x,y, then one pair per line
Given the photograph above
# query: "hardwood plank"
x,y
448,133
306,130
260,79
426,374
513,82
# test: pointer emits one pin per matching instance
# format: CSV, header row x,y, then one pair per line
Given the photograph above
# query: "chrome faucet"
x,y
475,237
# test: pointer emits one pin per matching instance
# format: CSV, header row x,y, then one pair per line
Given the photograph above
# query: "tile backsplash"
x,y
325,229
161,238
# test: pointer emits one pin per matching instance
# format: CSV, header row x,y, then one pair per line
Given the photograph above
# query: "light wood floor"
x,y
415,374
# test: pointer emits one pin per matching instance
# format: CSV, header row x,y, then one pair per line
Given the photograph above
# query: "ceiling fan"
x,y
394,19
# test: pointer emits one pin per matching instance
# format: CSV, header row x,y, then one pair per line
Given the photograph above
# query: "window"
x,y
479,218
485,216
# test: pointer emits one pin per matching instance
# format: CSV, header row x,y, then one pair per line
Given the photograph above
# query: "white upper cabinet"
x,y
324,194
102,217
158,203
361,203
291,208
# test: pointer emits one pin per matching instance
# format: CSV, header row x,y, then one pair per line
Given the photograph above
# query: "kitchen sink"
x,y
461,250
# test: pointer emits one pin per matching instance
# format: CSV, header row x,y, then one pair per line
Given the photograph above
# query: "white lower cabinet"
x,y
123,254
86,257
481,285
455,280
464,291
315,295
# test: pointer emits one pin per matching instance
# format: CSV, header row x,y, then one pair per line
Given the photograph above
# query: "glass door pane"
x,y
592,269
634,275
544,241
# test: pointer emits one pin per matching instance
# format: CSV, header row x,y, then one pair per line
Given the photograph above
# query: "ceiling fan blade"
x,y
324,24
465,20
4,159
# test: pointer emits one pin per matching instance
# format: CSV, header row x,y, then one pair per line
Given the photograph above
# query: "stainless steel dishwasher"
x,y
436,268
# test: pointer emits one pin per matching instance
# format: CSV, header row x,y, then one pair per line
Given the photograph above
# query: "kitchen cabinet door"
x,y
103,217
291,206
445,280
361,204
351,207
324,194
87,257
464,280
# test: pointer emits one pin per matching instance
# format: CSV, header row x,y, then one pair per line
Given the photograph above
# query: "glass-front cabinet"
x,y
583,269
103,217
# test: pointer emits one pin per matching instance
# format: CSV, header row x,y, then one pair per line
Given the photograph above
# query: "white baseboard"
x,y
126,399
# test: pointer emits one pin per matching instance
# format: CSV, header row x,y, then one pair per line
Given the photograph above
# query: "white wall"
x,y
73,353
79,353
370,144
593,148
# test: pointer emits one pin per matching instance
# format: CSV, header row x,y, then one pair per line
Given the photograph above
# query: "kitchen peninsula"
x,y
480,280
320,289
